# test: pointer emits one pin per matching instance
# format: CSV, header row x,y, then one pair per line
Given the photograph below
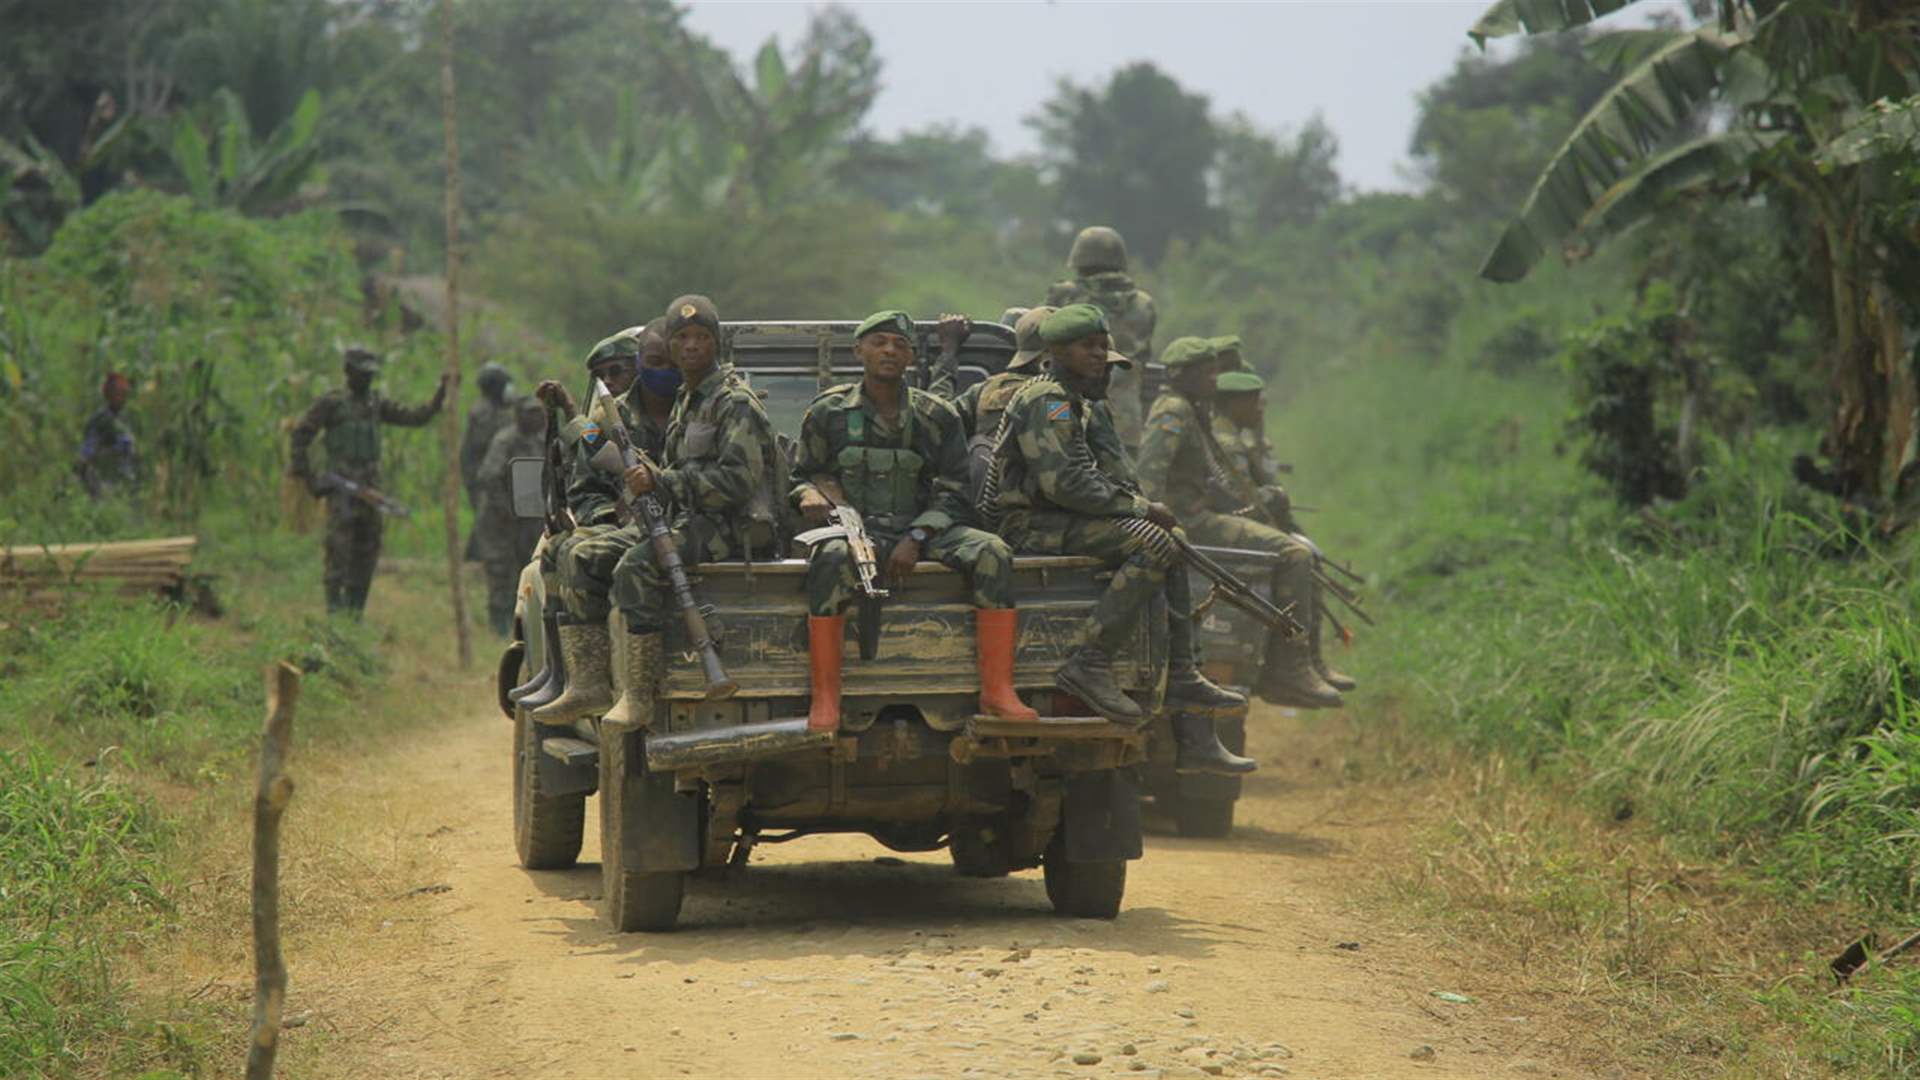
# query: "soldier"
x,y
896,454
1099,263
1067,488
348,424
1239,430
1226,354
485,419
504,541
718,470
108,463
1179,462
982,403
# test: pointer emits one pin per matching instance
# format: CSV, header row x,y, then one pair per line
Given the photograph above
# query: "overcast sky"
x,y
989,64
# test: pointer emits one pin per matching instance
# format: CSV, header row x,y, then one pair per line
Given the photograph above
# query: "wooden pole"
x,y
269,804
450,427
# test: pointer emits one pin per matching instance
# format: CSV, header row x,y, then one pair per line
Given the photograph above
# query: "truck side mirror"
x,y
526,480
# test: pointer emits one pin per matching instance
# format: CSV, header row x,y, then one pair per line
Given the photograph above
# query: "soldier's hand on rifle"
x,y
1160,514
901,562
318,487
555,396
954,331
440,393
640,480
814,507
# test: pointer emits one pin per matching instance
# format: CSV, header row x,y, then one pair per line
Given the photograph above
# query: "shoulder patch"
x,y
837,388
1059,409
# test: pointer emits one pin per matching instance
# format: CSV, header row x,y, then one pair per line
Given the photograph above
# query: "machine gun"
x,y
1225,586
616,456
371,496
845,523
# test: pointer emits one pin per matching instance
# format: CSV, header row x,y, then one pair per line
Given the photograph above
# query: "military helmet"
x,y
1011,316
493,378
360,359
1097,248
1027,339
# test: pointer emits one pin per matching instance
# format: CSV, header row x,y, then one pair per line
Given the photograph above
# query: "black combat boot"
x,y
548,652
1188,689
1088,675
1198,749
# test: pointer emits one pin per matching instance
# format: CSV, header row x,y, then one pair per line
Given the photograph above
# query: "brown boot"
x,y
635,707
993,642
826,645
587,649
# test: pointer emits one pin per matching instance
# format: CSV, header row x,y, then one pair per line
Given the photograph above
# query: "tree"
x,y
1266,183
1135,155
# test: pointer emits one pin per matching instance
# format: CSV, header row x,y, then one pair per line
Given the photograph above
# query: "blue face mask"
x,y
660,382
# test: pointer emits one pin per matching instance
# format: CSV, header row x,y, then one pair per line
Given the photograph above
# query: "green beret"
x,y
1226,343
692,310
1240,382
1187,350
1073,322
624,345
894,322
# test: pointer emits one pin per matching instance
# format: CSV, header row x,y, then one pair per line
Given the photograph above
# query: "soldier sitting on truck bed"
x,y
1067,488
718,471
896,455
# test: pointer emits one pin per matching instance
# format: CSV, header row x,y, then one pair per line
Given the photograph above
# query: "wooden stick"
x,y
450,488
269,803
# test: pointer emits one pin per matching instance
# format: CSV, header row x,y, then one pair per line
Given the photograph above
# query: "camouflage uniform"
x,y
108,462
1179,464
1099,264
348,427
584,562
900,476
503,542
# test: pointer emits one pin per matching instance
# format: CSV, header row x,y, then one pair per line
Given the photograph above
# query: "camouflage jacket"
x,y
840,425
1131,318
495,527
1062,455
982,404
719,459
349,431
484,419
1245,452
1179,462
593,496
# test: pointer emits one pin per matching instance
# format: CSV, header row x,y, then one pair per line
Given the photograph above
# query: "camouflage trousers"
x,y
601,567
1229,530
584,564
352,549
833,584
1139,572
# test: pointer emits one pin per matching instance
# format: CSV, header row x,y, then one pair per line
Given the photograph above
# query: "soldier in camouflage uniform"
x,y
1227,354
347,422
583,561
1099,263
1067,488
1240,432
981,404
502,541
1180,463
896,454
485,419
108,462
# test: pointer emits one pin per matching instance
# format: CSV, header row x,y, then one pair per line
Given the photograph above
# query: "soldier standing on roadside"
x,y
897,455
1067,488
488,416
348,424
1180,463
108,463
504,541
1099,263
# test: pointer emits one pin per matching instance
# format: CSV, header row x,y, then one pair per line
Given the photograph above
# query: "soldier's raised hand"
x,y
814,506
954,330
555,396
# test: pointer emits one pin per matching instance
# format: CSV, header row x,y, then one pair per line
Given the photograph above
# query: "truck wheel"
x,y
981,847
507,675
546,828
635,899
1203,818
1083,890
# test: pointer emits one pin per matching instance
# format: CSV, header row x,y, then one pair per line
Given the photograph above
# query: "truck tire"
x,y
1083,890
981,847
1203,818
547,829
635,899
507,675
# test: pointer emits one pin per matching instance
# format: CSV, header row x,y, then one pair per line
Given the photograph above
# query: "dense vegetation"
x,y
1578,494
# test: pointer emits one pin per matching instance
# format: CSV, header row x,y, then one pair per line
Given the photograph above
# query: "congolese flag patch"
x,y
1059,410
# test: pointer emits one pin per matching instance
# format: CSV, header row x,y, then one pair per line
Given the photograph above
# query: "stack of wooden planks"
x,y
136,564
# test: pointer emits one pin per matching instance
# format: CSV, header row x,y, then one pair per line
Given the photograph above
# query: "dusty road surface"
x,y
833,957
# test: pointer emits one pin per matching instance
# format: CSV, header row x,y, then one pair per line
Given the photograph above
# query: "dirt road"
x,y
832,957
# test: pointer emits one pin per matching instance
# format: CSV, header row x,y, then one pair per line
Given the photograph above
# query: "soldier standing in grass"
x,y
348,422
108,463
1099,263
897,455
1068,488
503,541
1180,462
488,416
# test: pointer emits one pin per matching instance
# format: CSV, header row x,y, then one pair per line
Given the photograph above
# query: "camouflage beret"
x,y
692,310
1071,323
896,322
1181,352
1027,339
624,345
1240,382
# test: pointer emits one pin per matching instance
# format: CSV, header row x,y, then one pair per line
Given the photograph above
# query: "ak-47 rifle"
x,y
371,496
845,523
616,457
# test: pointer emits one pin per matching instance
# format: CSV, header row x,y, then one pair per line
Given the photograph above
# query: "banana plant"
x,y
38,188
234,169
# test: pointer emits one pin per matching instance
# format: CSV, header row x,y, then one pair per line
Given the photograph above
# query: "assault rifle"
x,y
332,482
616,456
845,523
1236,592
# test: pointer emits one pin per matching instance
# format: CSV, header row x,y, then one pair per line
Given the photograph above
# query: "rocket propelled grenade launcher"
x,y
616,456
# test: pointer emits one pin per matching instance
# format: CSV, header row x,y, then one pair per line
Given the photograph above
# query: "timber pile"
x,y
143,564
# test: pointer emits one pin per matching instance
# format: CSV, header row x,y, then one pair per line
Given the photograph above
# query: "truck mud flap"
x,y
1101,817
661,826
563,773
1208,788
738,742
